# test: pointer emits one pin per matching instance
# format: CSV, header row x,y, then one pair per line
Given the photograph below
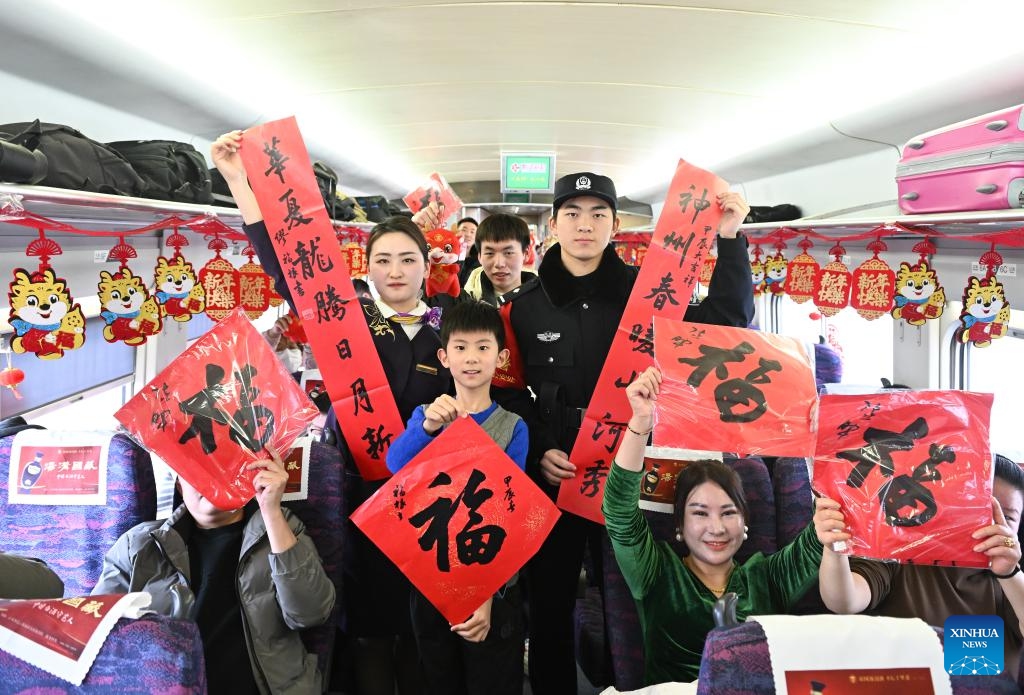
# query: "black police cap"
x,y
584,183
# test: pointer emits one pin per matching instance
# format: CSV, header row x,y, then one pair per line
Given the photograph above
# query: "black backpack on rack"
x,y
75,161
327,181
172,170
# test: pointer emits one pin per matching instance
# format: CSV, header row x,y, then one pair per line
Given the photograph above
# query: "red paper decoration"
x,y
833,293
707,269
802,274
46,319
873,284
919,296
220,281
254,286
775,268
757,271
130,313
355,257
178,291
986,312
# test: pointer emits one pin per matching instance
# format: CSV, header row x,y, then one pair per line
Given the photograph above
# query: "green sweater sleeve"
x,y
793,569
630,535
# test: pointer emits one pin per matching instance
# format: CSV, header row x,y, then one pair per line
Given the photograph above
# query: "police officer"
x,y
563,322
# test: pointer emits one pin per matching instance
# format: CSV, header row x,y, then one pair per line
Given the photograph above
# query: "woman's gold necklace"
x,y
716,590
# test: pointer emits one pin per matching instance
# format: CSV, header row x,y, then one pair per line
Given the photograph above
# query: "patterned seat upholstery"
x,y
736,662
72,540
324,517
794,501
625,638
153,654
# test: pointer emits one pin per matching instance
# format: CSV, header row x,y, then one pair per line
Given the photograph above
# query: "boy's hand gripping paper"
x,y
912,471
217,408
459,520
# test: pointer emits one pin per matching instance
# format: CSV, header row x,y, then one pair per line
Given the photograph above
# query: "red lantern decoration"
x,y
61,325
355,256
775,268
802,274
220,281
757,271
919,296
254,286
873,284
986,312
178,291
11,377
833,292
707,269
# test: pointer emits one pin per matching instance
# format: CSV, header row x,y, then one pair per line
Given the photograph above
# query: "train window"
x,y
995,369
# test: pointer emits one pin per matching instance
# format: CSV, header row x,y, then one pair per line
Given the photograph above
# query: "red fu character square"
x,y
217,408
434,190
459,519
912,471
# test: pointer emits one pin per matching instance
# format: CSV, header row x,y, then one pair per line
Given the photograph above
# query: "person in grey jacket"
x,y
249,577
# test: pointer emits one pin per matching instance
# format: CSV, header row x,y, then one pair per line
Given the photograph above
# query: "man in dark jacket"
x,y
564,322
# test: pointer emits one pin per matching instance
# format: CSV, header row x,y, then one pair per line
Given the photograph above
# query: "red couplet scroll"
x,y
733,389
217,408
459,520
282,178
681,241
912,471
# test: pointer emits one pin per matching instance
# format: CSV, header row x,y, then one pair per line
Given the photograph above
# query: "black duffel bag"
x,y
327,181
172,170
21,165
75,161
786,212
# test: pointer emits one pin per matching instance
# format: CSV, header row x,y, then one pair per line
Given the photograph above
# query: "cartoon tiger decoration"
x,y
775,269
46,320
919,296
177,289
757,276
130,313
986,312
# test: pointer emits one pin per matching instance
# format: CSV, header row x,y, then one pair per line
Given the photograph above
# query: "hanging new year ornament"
x,y
919,296
707,269
775,268
46,319
131,315
757,271
177,288
219,280
873,284
802,275
833,284
986,312
254,286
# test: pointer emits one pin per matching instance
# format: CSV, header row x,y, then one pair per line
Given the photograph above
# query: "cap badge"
x,y
583,184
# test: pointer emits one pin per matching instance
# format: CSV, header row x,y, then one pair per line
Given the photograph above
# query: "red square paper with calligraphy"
x,y
733,389
434,190
912,471
459,519
216,408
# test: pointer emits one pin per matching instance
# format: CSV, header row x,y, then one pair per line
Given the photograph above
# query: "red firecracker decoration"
x,y
873,284
919,296
802,275
833,284
775,269
707,269
220,282
757,271
254,286
178,290
986,312
46,319
131,315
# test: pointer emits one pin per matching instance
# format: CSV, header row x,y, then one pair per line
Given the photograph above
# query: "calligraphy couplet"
x,y
459,520
282,178
733,389
681,241
218,407
912,471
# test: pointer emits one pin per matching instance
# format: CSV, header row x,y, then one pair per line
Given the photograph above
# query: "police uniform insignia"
x,y
583,184
548,337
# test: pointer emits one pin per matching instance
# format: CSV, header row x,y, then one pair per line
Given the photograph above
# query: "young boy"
x,y
484,654
249,577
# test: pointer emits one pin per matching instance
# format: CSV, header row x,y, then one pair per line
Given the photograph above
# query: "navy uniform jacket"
x,y
564,326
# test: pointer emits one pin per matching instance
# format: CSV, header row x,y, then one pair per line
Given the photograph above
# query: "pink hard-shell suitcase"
x,y
976,164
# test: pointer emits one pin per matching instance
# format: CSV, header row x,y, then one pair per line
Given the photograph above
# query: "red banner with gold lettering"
x,y
281,176
733,389
679,245
912,471
459,520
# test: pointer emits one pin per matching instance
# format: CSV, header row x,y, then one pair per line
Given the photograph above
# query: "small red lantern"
x,y
873,284
802,275
220,281
253,286
11,377
833,292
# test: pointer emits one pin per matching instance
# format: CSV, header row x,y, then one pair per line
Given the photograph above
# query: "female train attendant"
x,y
675,597
376,595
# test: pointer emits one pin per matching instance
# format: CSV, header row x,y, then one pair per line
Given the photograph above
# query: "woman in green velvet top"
x,y
675,597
